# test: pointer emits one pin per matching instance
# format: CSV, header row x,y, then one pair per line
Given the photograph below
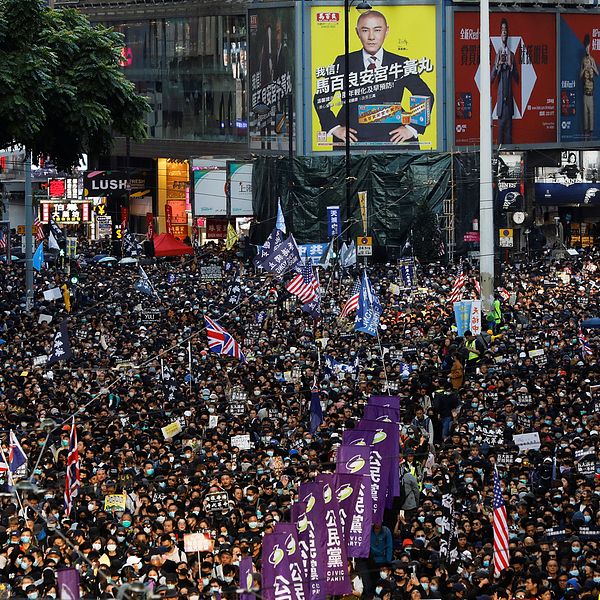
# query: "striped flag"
x,y
477,286
459,284
352,302
72,479
220,341
304,285
2,238
585,347
501,556
504,294
38,229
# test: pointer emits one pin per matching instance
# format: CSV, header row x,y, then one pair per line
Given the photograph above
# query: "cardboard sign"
x,y
211,273
237,408
171,430
527,441
53,294
241,441
115,502
39,361
150,315
216,501
505,458
213,421
197,542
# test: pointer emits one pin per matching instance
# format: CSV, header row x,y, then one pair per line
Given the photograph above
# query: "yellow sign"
x,y
171,430
20,229
506,233
506,238
392,77
364,246
362,202
115,502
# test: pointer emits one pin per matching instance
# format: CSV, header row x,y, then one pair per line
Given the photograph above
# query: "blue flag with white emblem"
x,y
369,308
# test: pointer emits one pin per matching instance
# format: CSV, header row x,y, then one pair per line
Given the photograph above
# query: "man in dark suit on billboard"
x,y
375,114
505,70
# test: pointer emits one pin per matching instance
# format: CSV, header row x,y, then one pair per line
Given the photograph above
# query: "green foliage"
x,y
62,89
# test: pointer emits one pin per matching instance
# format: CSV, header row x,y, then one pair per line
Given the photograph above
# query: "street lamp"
x,y
264,109
360,6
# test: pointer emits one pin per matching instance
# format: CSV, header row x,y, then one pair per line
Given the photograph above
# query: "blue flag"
x,y
283,258
333,367
38,257
462,314
316,411
143,285
369,308
407,270
280,223
275,238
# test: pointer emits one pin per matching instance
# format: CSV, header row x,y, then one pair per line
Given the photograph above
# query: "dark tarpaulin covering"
x,y
466,179
395,184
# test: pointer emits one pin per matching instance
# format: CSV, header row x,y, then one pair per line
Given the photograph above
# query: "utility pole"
x,y
28,234
486,198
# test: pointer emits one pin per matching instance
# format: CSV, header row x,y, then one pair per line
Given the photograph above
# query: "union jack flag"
x,y
72,480
586,349
459,284
352,302
220,342
38,229
304,285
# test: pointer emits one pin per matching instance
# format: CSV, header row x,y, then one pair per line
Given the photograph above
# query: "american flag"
x,y
504,294
352,302
501,556
2,238
72,480
38,229
459,284
304,285
220,341
477,286
586,349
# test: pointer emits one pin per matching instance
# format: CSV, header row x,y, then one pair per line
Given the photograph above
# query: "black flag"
x,y
58,233
131,247
61,348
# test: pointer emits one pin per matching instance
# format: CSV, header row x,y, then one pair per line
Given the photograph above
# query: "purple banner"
x,y
391,401
276,574
312,495
298,518
246,578
292,547
68,584
381,413
354,461
386,441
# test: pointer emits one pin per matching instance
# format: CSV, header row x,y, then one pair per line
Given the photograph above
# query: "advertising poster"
x,y
523,62
240,189
579,77
392,72
210,185
271,64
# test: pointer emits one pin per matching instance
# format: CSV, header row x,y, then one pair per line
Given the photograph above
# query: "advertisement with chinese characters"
x,y
579,77
392,78
271,63
523,73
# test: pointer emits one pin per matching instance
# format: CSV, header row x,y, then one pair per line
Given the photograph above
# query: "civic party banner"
x,y
354,461
392,77
579,81
289,532
300,521
523,73
276,573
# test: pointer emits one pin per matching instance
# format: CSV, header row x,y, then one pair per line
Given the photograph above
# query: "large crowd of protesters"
x,y
462,400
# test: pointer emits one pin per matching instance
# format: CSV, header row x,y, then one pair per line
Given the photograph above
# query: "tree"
x,y
62,89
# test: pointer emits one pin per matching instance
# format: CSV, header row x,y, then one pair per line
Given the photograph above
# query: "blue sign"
x,y
462,314
581,192
312,253
333,221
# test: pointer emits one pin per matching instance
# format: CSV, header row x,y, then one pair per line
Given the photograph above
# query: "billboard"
x,y
579,81
523,61
271,45
392,78
240,189
209,178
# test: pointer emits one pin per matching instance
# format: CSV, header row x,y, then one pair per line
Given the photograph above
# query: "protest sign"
x,y
171,430
216,501
197,542
115,502
527,441
241,441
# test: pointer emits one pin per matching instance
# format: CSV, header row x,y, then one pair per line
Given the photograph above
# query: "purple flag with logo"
x,y
292,548
298,518
346,488
387,442
373,412
68,583
354,461
276,574
312,495
246,578
391,401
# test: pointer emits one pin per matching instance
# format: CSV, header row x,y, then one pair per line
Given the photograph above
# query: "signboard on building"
x,y
66,213
239,185
105,183
523,59
393,98
209,178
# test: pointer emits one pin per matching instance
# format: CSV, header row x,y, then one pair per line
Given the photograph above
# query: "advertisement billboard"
x,y
392,77
240,189
579,81
271,71
523,62
210,185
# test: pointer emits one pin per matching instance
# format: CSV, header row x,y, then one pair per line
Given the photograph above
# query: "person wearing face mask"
x,y
112,557
171,555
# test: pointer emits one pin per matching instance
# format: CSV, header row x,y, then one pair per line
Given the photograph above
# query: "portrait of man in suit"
x,y
378,81
505,71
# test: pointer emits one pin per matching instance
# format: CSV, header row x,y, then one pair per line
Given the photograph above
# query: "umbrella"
x,y
593,323
108,259
128,260
99,257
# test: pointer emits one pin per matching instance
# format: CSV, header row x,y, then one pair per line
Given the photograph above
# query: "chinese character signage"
x,y
523,63
271,62
579,80
392,72
216,229
66,213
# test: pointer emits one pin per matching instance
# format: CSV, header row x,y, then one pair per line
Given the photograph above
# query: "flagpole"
x,y
11,481
387,384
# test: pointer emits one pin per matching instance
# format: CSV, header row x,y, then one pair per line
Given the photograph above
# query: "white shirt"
x,y
367,58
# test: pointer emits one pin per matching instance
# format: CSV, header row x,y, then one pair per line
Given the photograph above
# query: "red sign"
x,y
124,217
216,229
471,236
523,61
56,188
150,225
169,218
201,221
328,17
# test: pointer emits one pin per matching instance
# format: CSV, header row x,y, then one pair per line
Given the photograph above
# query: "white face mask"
x,y
97,547
111,547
